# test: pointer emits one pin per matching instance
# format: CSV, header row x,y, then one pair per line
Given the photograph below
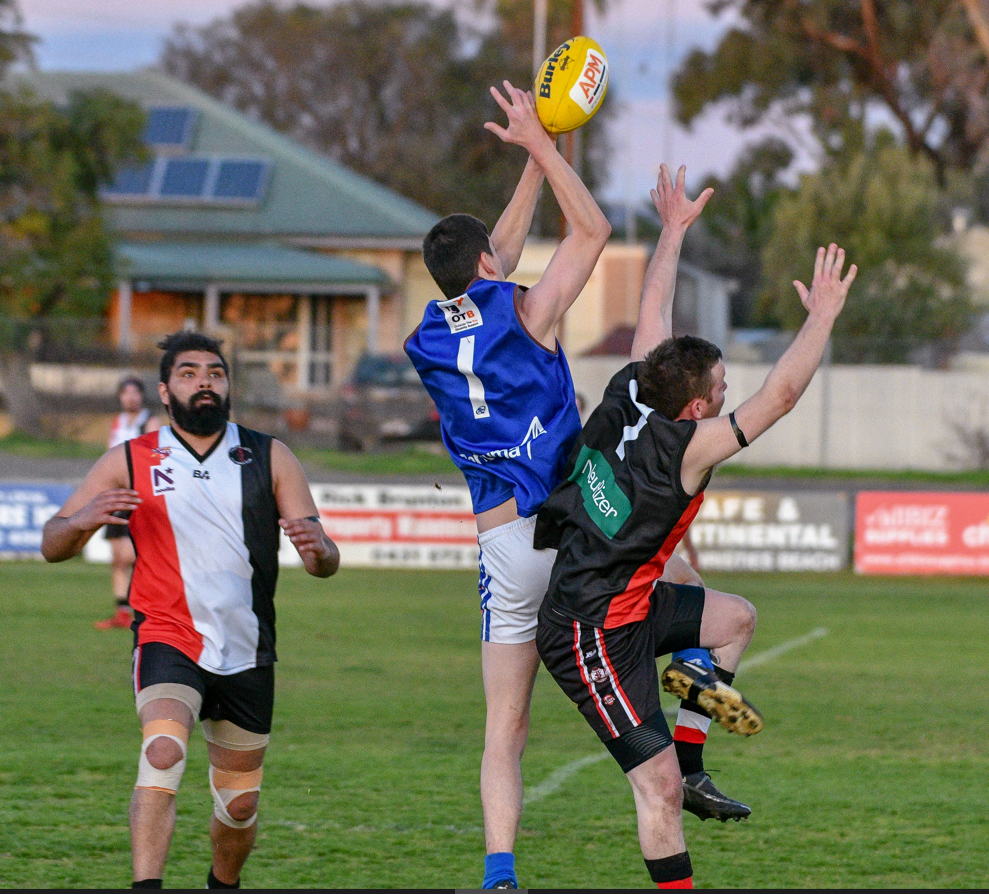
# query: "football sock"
x,y
672,872
213,882
499,868
693,722
147,883
689,736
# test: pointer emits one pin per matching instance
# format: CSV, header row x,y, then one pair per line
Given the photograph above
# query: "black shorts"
x,y
116,532
246,699
611,674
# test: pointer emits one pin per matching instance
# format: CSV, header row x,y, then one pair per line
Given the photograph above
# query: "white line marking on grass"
x,y
782,649
556,779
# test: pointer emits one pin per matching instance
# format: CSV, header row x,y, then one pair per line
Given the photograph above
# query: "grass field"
x,y
869,774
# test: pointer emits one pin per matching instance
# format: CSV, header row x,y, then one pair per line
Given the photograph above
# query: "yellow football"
x,y
571,85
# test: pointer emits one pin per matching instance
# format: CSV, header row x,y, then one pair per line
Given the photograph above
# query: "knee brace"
x,y
229,784
149,776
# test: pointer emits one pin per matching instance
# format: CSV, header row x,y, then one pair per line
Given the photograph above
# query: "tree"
x,y
15,45
729,237
55,253
839,60
398,92
882,206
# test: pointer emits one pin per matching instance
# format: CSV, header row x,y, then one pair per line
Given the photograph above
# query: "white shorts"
x,y
513,580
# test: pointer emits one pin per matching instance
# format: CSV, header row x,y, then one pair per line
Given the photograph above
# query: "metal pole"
x,y
671,39
538,36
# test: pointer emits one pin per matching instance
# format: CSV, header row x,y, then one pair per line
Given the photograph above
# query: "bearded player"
x,y
205,499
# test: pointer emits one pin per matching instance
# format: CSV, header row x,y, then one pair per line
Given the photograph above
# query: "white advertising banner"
x,y
770,531
398,526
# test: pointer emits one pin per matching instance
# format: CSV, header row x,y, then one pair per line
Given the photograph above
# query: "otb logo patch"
x,y
241,455
162,480
461,314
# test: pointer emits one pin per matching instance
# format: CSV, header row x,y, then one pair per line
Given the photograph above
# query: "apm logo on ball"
x,y
589,89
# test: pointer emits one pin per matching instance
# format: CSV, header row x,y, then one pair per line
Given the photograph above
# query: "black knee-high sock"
x,y
690,735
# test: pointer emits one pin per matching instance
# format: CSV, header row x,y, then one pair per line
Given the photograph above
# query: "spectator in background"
x,y
134,420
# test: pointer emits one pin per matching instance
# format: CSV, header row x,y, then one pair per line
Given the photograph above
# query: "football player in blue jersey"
x,y
489,357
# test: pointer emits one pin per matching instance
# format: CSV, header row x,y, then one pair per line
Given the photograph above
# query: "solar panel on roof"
x,y
168,126
184,178
240,179
131,181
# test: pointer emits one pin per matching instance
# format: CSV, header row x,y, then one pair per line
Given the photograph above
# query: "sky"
x,y
644,40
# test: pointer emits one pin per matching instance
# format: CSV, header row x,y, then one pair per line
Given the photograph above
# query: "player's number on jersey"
x,y
475,388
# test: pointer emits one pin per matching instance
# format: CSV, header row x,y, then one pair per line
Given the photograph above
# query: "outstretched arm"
x,y
508,236
573,262
715,440
299,516
677,214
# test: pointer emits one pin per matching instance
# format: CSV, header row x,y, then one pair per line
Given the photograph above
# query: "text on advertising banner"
x,y
24,509
771,531
410,526
921,533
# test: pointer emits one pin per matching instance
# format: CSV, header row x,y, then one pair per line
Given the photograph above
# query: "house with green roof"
x,y
300,263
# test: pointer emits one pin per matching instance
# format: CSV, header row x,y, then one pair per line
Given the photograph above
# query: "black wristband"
x,y
738,432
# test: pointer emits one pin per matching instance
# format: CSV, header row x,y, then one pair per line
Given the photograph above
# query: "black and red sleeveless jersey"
x,y
620,513
206,537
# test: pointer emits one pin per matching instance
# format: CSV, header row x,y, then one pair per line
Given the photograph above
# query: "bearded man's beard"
x,y
204,415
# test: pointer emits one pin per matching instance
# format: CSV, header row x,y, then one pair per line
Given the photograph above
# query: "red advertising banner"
x,y
921,533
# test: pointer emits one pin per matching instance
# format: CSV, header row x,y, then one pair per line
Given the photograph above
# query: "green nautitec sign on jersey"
x,y
604,500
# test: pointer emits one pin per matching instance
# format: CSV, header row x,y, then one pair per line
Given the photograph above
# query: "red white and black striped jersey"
x,y
206,536
621,511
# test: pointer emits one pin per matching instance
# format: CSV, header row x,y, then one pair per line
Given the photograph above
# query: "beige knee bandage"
x,y
166,780
229,784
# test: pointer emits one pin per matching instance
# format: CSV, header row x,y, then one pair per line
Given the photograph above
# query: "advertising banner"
x,y
921,533
412,526
771,531
24,509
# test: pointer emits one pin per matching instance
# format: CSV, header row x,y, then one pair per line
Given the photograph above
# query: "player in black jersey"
x,y
636,479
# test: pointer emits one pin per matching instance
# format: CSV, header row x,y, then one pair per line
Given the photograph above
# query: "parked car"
x,y
385,402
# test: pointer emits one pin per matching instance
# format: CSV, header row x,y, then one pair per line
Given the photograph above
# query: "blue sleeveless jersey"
x,y
507,407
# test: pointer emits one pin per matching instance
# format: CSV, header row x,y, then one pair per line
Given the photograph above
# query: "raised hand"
x,y
828,290
670,199
524,127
